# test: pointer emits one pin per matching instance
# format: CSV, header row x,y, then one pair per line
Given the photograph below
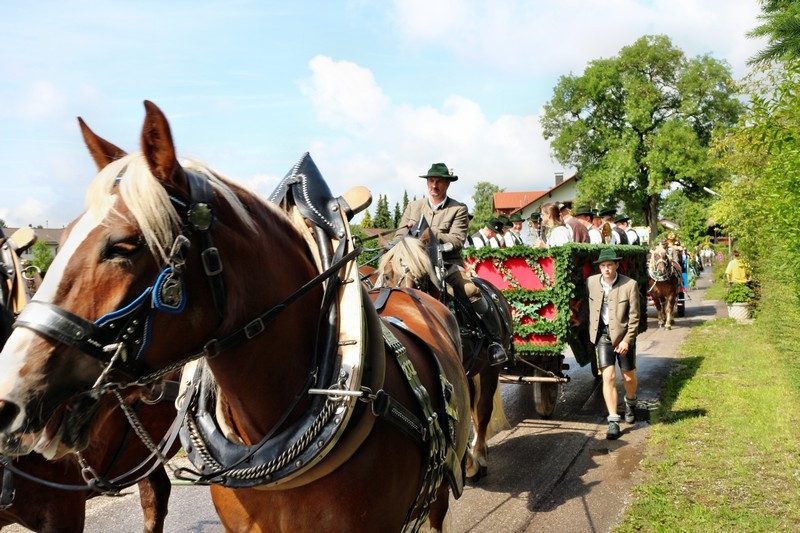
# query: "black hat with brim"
x,y
607,211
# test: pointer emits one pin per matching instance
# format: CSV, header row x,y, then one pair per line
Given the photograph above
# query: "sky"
x,y
375,90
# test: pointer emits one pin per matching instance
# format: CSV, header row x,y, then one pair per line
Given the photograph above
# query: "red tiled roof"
x,y
508,202
513,201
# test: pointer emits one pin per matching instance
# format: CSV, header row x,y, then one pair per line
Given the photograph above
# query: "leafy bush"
x,y
739,293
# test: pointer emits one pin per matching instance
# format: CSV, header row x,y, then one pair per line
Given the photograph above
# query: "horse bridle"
x,y
654,272
126,331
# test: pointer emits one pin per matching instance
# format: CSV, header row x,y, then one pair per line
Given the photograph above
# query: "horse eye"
x,y
124,248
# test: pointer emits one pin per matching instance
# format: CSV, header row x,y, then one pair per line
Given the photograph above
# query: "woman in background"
x,y
556,234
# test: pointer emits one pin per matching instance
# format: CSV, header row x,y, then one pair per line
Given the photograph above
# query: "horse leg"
x,y
438,515
660,310
481,410
154,493
473,464
670,307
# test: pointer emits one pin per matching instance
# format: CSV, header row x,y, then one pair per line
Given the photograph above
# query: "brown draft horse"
x,y
408,264
664,283
49,496
313,415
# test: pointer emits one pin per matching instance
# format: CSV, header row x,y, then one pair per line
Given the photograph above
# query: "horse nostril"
x,y
8,413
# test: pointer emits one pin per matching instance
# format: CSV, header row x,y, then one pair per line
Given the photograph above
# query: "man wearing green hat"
x,y
613,326
489,235
623,222
513,237
585,215
449,222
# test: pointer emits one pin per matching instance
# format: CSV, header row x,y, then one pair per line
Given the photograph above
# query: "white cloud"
x,y
561,37
344,95
395,143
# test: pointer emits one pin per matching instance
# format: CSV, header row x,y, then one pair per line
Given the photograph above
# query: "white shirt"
x,y
479,240
559,236
606,290
512,238
594,236
531,237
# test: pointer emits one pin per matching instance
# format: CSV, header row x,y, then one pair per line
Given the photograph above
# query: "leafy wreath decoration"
x,y
567,286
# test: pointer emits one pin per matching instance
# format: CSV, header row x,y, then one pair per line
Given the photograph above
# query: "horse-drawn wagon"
x,y
546,290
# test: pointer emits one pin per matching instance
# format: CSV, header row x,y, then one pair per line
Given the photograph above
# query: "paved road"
x,y
544,475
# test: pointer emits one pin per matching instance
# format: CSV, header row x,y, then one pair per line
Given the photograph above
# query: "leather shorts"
x,y
606,356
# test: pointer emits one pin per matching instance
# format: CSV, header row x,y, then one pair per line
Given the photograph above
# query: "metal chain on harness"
x,y
266,469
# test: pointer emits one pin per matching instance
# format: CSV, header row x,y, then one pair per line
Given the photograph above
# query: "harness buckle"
x,y
211,261
254,328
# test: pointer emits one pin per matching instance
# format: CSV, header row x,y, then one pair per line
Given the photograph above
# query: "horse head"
x,y
110,312
660,262
407,264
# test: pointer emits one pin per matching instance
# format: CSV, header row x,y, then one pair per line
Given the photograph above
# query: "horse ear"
x,y
425,237
102,151
158,148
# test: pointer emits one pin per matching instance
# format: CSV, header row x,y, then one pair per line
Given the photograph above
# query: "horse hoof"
x,y
669,327
478,475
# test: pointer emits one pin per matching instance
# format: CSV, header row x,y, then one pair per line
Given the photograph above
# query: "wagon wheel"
x,y
545,394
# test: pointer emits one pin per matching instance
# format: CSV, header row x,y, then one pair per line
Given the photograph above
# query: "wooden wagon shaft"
x,y
507,378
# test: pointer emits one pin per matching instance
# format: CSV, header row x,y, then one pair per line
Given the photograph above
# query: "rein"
x,y
93,480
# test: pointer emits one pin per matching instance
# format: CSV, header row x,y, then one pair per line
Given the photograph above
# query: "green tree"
x,y
383,218
42,256
781,25
691,215
405,201
397,215
366,221
759,203
3,223
483,198
634,124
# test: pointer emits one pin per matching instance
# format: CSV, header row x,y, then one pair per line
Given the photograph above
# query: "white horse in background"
x,y
707,255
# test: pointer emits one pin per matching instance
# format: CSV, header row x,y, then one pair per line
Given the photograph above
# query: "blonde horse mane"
x,y
130,179
408,255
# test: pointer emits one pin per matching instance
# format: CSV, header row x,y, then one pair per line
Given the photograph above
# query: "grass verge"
x,y
725,454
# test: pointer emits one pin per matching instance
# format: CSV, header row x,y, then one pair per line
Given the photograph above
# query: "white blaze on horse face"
x,y
22,340
79,233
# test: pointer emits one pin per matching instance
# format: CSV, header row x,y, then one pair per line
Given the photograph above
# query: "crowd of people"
x,y
555,225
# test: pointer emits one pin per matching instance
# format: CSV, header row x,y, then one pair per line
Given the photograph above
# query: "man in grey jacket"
x,y
613,327
449,222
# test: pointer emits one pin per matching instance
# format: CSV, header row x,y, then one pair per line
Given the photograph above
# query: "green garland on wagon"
x,y
564,291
